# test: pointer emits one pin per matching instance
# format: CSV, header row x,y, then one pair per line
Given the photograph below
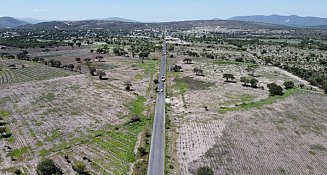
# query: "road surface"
x,y
156,164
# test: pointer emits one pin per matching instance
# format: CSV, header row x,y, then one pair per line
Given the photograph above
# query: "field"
x,y
72,118
235,129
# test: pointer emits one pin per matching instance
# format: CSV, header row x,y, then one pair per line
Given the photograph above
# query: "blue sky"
x,y
158,10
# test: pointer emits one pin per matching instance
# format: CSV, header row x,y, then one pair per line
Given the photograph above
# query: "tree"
x,y
198,71
128,86
177,68
87,60
99,58
254,83
187,60
324,86
78,59
228,77
3,130
251,69
101,74
71,67
79,68
204,171
274,89
244,80
93,71
289,85
48,167
142,151
144,54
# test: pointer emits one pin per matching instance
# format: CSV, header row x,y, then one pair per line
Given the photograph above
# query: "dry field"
x,y
241,130
76,118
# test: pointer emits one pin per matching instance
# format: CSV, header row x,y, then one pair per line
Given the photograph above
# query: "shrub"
x,y
289,85
204,171
324,86
18,171
47,166
228,77
254,83
274,89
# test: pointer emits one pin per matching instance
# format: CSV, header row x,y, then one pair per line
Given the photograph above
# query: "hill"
x,y
119,19
6,22
114,24
292,20
31,20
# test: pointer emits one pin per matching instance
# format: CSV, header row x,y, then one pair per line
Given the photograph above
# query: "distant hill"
x,y
119,19
31,20
6,22
295,21
114,24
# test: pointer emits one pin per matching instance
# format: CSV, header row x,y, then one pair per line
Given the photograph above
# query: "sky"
x,y
158,10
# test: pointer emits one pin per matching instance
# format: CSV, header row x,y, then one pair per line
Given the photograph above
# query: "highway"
x,y
156,164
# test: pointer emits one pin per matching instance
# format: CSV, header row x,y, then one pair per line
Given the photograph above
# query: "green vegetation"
x,y
261,103
49,97
4,113
274,89
186,83
204,171
47,167
316,148
17,153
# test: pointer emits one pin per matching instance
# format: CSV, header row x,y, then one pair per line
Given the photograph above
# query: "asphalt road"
x,y
156,164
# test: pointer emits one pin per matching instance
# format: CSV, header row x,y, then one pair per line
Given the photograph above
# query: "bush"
x,y
47,167
254,83
274,89
289,85
80,168
204,171
18,171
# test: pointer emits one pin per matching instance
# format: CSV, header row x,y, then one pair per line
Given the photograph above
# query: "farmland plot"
x,y
34,72
240,130
75,118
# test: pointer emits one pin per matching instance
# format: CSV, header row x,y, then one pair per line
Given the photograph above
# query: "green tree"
x,y
204,171
48,167
228,77
289,85
244,80
274,89
187,60
254,83
101,74
198,71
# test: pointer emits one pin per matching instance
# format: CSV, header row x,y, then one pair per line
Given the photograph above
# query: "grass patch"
x,y
139,77
43,152
192,84
148,66
17,153
39,143
12,140
4,113
258,104
238,99
136,107
49,97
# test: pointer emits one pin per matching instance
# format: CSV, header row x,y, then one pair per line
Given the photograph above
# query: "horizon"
x,y
140,11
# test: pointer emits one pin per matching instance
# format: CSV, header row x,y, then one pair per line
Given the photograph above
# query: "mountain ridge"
x,y
8,22
291,20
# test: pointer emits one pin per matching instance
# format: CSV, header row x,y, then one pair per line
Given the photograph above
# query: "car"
x,y
161,90
163,80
